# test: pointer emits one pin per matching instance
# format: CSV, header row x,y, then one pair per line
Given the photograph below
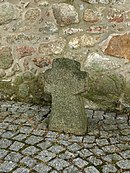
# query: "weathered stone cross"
x,y
67,83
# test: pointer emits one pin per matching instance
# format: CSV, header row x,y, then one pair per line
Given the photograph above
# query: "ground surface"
x,y
26,145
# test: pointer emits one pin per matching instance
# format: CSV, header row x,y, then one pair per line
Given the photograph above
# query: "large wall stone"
x,y
65,14
8,13
6,58
118,46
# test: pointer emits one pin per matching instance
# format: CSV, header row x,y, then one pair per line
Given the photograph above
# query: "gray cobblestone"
x,y
7,166
84,153
111,157
2,131
51,134
5,143
25,130
3,153
110,149
76,139
45,156
123,164
80,162
28,161
13,127
102,142
8,134
58,164
71,169
123,146
64,137
38,132
63,142
13,156
97,151
125,154
3,125
94,160
42,168
33,139
56,149
16,146
20,137
8,119
68,155
53,171
21,170
44,145
91,169
114,140
109,168
30,150
89,139
74,147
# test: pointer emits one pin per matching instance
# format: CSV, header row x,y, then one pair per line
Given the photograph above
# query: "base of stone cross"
x,y
74,126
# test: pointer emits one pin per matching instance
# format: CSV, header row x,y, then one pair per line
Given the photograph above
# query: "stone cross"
x,y
67,83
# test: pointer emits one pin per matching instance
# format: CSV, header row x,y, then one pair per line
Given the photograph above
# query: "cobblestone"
x,y
58,164
56,149
16,146
109,168
111,157
21,170
28,161
42,168
67,155
14,157
125,154
3,153
123,164
44,145
71,169
26,145
94,160
8,134
45,156
30,150
5,143
20,137
74,147
80,162
91,169
7,166
33,140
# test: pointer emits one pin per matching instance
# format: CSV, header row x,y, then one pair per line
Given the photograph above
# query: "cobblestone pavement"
x,y
26,145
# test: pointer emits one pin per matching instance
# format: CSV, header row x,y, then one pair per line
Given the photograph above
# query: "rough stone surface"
x,y
6,58
67,83
118,46
54,46
91,16
65,14
8,13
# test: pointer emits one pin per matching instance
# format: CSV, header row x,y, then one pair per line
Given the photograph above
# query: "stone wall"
x,y
93,32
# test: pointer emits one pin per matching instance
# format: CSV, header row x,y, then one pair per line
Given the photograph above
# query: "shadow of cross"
x,y
67,83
